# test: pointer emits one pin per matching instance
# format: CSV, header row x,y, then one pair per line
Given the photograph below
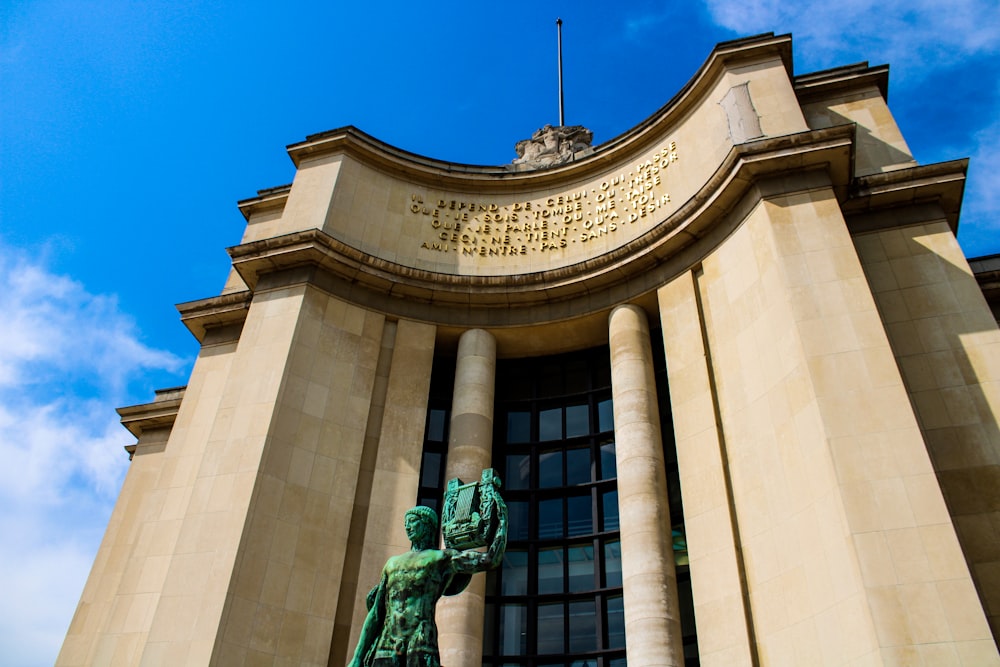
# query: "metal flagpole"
x,y
562,120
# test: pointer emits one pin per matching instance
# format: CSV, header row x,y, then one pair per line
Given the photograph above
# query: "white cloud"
x,y
912,33
982,195
66,357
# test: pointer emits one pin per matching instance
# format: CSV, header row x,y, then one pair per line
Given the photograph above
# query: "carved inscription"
x,y
487,229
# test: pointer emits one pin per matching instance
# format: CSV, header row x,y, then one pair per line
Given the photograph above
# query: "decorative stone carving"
x,y
551,146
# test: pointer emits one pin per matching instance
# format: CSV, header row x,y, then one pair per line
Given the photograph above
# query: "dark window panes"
x,y
550,425
550,571
492,577
609,464
550,628
618,662
550,380
580,561
518,473
517,516
435,425
674,492
577,376
489,629
517,386
513,629
609,500
583,626
602,375
686,606
515,573
579,516
550,519
577,420
428,501
613,564
616,623
679,544
518,426
550,465
431,473
577,466
605,416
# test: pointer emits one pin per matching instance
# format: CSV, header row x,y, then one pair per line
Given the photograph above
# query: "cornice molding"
x,y
840,81
460,177
396,287
215,312
160,414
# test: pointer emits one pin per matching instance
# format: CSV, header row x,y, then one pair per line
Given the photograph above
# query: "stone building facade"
x,y
737,376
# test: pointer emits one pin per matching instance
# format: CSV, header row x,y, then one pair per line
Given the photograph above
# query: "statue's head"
x,y
421,526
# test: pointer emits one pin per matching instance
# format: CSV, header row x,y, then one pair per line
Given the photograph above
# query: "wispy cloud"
x,y
982,196
66,357
915,32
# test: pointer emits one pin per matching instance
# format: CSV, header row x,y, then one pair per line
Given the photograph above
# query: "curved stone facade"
x,y
831,363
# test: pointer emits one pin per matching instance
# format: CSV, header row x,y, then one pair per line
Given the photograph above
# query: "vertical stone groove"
x,y
698,275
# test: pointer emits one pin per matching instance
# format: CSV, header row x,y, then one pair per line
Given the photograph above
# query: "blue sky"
x,y
129,130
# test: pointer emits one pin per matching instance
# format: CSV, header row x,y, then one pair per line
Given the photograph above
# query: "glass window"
x,y
518,427
580,519
513,629
435,425
550,380
428,501
550,465
563,570
609,500
550,628
583,626
577,420
518,471
609,464
605,416
431,473
550,425
550,571
613,564
577,466
580,560
616,622
550,518
517,520
515,573
577,375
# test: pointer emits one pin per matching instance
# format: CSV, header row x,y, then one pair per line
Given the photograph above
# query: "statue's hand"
x,y
495,553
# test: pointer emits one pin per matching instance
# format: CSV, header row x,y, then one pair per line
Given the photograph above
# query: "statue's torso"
x,y
414,582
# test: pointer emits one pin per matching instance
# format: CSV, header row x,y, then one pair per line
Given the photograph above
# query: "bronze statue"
x,y
400,630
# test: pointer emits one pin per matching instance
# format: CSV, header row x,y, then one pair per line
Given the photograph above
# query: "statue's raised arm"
x,y
400,624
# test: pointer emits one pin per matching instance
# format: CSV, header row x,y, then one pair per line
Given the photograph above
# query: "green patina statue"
x,y
400,630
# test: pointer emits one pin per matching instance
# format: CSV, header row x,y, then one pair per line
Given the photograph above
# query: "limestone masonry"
x,y
737,377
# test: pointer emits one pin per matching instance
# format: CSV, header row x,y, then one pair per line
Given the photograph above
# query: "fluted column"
x,y
470,444
652,616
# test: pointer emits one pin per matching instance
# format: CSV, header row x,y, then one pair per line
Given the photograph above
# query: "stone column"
x,y
470,444
652,610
